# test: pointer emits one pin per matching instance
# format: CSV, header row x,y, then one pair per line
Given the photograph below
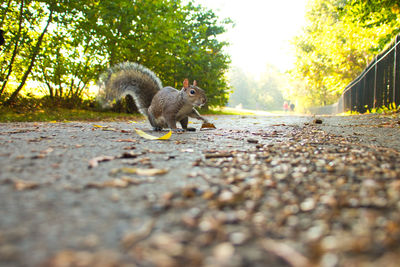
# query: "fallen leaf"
x,y
104,128
252,141
127,140
129,239
109,129
21,185
285,252
218,155
116,183
151,172
138,171
84,258
207,126
94,162
152,137
129,155
155,151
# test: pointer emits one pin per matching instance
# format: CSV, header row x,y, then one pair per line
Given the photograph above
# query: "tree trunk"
x,y
15,51
14,95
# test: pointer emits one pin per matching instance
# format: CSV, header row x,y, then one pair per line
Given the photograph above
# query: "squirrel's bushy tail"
x,y
129,79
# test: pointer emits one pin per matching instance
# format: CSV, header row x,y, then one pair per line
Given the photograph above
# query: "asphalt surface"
x,y
91,193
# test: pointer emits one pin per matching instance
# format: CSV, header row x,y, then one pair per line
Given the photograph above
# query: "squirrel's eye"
x,y
192,92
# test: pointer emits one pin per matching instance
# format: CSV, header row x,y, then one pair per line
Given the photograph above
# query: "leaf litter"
x,y
300,197
316,199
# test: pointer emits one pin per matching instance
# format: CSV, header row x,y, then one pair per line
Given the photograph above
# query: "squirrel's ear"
x,y
185,83
194,83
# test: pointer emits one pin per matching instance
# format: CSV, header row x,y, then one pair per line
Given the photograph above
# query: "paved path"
x,y
282,190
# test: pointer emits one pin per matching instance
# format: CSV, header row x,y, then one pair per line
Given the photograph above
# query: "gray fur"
x,y
129,79
163,107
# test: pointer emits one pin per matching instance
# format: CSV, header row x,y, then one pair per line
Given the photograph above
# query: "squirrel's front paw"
x,y
190,129
157,129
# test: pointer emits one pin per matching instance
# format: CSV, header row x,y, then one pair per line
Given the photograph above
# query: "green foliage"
x,y
337,43
265,94
374,14
83,38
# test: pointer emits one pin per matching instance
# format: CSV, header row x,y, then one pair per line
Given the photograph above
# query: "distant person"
x,y
285,106
1,37
292,107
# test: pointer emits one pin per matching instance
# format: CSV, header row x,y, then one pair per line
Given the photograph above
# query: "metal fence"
x,y
377,86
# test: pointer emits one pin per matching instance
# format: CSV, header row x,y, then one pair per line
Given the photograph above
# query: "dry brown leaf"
x,y
218,155
139,171
21,185
285,252
84,259
127,140
129,155
94,162
207,125
116,183
129,239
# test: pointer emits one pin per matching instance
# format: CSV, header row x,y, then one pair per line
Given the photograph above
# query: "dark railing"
x,y
377,86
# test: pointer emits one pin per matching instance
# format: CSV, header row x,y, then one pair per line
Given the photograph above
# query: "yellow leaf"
x,y
97,126
132,121
152,137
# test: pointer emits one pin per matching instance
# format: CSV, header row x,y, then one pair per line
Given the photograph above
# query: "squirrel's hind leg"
x,y
156,126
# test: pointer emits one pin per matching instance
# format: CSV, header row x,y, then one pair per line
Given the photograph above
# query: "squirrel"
x,y
163,106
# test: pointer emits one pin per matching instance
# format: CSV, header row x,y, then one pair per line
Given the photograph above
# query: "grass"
x,y
235,111
62,114
227,111
59,114
32,109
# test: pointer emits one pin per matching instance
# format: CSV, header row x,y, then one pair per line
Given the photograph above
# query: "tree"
x,y
34,53
374,14
265,94
335,47
80,39
242,85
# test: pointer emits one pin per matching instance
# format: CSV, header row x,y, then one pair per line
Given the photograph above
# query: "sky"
x,y
262,33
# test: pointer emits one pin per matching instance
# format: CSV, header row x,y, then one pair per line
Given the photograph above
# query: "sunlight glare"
x,y
262,33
